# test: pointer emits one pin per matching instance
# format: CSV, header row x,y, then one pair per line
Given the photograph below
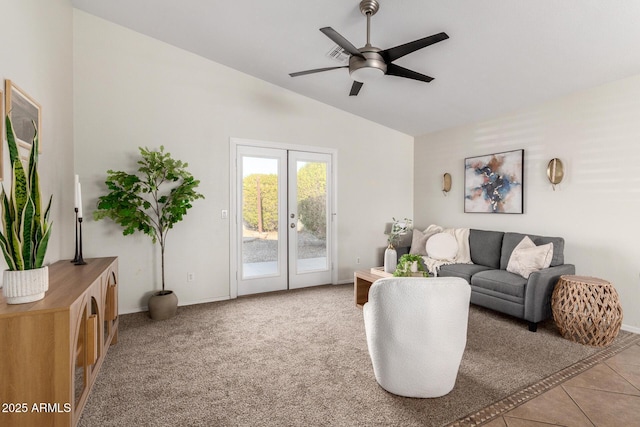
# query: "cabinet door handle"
x,y
92,339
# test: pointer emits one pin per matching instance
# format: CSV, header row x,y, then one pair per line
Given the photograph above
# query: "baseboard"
x,y
180,303
634,329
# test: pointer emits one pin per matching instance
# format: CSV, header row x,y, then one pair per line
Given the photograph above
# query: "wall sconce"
x,y
555,172
446,183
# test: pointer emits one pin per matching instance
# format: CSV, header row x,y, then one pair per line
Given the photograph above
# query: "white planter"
x,y
390,259
414,267
22,286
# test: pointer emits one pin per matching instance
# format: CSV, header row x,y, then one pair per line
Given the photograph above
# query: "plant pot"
x,y
414,267
23,286
163,305
390,259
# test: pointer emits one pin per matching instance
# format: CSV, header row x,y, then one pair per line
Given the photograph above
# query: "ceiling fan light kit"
x,y
369,63
369,68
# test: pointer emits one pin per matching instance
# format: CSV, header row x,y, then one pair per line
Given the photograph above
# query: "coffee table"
x,y
362,281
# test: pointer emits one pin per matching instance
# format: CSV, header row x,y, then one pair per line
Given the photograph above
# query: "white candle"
x,y
79,201
75,190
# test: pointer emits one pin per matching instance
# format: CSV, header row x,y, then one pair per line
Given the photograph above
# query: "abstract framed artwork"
x,y
1,136
494,183
24,111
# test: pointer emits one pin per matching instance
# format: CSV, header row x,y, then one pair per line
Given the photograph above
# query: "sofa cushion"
x,y
464,271
511,240
500,281
527,257
486,247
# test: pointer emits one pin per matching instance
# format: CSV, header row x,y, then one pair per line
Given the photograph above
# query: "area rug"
x,y
300,358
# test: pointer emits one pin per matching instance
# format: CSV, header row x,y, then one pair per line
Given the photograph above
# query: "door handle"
x,y
293,225
292,215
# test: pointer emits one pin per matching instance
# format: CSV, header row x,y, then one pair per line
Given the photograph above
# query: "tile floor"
x,y
607,394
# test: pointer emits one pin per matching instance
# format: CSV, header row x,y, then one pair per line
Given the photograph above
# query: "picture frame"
x,y
23,111
494,183
2,137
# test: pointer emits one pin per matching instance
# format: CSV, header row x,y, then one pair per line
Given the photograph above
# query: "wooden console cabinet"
x,y
51,350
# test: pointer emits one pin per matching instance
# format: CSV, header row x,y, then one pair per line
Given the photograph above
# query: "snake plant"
x,y
25,228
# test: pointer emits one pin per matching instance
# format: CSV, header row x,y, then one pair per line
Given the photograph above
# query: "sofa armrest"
x,y
537,299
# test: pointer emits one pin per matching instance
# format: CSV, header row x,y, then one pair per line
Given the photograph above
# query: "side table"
x,y
362,281
586,310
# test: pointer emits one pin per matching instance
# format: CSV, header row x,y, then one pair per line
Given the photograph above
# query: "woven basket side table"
x,y
586,310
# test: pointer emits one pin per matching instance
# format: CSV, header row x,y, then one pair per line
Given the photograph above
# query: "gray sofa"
x,y
495,288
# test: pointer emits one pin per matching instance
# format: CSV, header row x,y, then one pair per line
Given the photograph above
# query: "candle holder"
x,y
80,260
75,257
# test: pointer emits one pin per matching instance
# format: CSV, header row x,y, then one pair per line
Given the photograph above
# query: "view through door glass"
x,y
311,246
260,217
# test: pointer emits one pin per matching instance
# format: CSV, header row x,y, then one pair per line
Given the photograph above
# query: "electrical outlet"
x,y
225,214
190,277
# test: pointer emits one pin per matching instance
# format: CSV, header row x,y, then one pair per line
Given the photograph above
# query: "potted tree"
x,y
25,227
151,201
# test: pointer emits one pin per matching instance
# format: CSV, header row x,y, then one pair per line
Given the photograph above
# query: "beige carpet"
x,y
300,358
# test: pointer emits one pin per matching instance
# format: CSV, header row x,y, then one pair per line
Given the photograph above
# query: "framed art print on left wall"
x,y
24,112
2,136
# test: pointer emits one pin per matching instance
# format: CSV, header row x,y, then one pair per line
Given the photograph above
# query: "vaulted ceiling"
x,y
502,55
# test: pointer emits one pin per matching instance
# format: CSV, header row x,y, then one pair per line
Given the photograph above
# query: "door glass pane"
x,y
259,216
312,216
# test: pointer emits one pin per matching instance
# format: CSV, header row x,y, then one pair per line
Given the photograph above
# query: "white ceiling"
x,y
502,55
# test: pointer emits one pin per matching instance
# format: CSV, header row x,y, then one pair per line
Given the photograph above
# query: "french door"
x,y
283,219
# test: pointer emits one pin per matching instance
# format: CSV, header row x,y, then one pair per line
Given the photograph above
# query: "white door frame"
x,y
233,195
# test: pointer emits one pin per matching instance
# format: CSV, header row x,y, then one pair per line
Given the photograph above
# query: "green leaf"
x,y
19,190
11,141
42,248
6,251
26,234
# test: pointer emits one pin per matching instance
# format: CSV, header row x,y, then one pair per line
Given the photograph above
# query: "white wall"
x,y
596,133
131,90
36,54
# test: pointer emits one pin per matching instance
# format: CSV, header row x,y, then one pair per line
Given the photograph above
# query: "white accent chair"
x,y
416,333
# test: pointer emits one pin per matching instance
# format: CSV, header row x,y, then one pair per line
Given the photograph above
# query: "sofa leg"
x,y
533,326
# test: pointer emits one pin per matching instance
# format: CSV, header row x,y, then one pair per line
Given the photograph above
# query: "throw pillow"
x,y
442,246
527,257
419,242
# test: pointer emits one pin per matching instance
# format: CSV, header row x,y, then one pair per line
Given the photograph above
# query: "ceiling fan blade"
x,y
341,41
355,88
396,70
394,53
317,70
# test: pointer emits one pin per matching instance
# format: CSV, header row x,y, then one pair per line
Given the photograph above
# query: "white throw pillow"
x,y
442,246
527,257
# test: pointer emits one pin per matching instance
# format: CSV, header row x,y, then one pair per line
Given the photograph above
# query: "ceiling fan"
x,y
369,62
